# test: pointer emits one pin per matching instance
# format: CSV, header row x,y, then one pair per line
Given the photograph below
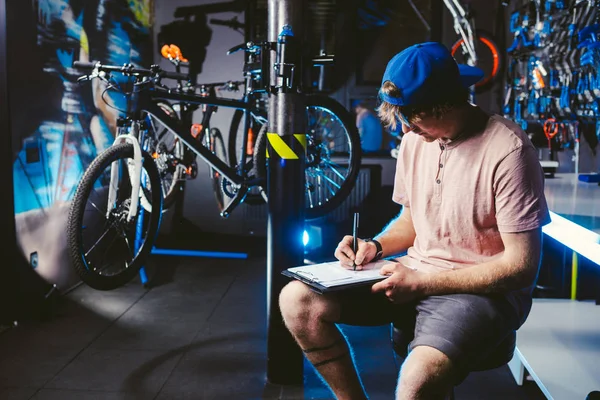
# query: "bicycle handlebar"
x,y
131,70
125,68
236,48
84,65
324,59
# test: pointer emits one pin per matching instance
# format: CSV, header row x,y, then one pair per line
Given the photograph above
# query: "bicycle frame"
x,y
237,180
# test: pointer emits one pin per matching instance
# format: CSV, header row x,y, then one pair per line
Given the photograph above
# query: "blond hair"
x,y
388,113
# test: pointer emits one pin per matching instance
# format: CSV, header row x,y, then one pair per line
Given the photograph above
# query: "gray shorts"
x,y
465,327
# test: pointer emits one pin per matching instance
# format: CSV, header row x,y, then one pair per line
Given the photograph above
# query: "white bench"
x,y
559,344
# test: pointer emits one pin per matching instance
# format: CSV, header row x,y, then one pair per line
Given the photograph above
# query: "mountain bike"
x,y
110,235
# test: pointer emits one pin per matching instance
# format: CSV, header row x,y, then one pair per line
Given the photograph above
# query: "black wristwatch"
x,y
379,253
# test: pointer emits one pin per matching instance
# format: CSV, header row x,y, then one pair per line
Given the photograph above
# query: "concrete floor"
x,y
198,333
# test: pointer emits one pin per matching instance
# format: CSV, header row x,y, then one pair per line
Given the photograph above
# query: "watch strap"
x,y
379,253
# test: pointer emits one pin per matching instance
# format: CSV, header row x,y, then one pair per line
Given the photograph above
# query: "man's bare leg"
x,y
427,373
310,318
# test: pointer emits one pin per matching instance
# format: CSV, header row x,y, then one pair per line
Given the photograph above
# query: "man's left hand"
x,y
402,285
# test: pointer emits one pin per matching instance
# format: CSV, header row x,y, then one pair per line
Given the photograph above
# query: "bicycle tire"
x,y
486,42
171,186
337,110
232,144
217,147
255,196
75,225
232,147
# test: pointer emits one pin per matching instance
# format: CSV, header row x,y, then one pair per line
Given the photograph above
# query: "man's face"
x,y
428,128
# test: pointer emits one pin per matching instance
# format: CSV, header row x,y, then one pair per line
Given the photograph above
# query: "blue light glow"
x,y
575,237
196,253
305,238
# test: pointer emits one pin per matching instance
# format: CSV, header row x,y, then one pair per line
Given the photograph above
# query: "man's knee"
x,y
300,306
426,373
294,296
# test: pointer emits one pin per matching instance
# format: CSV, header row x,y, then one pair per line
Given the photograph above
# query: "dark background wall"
x,y
57,125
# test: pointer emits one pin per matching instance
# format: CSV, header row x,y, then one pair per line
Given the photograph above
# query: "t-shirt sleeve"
x,y
519,192
399,194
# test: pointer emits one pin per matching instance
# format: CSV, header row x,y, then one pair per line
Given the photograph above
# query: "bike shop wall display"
x,y
553,88
58,125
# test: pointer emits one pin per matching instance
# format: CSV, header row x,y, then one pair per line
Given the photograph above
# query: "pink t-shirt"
x,y
462,194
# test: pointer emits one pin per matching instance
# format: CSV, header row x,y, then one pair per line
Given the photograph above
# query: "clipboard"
x,y
331,276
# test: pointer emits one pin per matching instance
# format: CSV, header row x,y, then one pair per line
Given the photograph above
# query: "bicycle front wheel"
x,y
332,155
107,249
489,59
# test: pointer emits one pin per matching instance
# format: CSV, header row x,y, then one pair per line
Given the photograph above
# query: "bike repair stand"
x,y
286,146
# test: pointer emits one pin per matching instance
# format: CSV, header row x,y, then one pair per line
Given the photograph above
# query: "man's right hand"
x,y
366,252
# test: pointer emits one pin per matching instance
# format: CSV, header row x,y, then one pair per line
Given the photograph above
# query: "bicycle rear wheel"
x,y
107,251
332,155
489,59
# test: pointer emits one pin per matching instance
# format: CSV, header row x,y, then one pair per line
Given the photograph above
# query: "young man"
x,y
472,192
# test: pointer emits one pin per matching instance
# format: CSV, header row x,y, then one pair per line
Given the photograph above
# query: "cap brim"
x,y
469,75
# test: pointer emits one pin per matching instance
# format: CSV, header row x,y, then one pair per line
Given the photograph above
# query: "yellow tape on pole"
x,y
301,137
282,149
574,268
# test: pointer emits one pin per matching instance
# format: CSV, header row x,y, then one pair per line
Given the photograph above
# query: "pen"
x,y
355,239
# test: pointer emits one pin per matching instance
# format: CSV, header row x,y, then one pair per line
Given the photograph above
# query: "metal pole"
x,y
285,181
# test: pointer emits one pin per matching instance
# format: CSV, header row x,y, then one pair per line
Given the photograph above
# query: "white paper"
x,y
333,274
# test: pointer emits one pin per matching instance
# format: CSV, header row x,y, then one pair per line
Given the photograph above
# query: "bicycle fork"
x,y
134,167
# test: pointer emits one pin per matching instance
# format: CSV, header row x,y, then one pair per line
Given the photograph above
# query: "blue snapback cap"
x,y
426,73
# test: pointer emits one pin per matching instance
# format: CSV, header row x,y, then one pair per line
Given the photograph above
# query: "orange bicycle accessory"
x,y
250,142
195,130
539,79
165,51
550,130
172,52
